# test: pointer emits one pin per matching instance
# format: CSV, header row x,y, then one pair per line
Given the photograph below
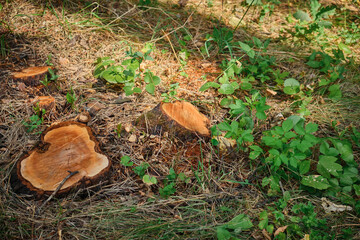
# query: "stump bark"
x,y
180,119
66,147
31,76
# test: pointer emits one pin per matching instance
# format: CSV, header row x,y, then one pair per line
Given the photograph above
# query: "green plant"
x,y
339,174
267,9
169,184
234,227
34,122
140,170
71,98
331,68
352,34
118,130
170,96
53,77
147,3
129,70
259,64
222,38
312,27
126,161
226,86
49,60
288,150
307,222
241,122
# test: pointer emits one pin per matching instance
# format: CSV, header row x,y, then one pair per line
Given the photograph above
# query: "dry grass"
x,y
75,35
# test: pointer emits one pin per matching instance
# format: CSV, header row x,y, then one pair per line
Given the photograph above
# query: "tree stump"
x,y
65,148
31,76
180,119
44,102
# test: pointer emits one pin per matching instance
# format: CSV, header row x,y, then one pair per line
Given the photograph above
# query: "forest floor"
x,y
253,181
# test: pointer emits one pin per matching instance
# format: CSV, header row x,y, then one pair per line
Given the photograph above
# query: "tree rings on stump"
x,y
66,147
31,76
181,119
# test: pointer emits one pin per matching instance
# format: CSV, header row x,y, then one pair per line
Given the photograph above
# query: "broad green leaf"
x,y
137,90
126,161
314,64
274,152
327,165
150,88
345,151
239,223
289,135
311,127
287,125
256,151
224,126
208,85
223,234
335,92
299,128
302,16
291,86
327,150
247,49
246,86
149,180
261,115
226,88
324,12
344,48
263,219
326,24
304,167
315,181
357,189
314,7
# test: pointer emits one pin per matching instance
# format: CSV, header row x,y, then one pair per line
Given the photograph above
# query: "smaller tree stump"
x,y
31,76
44,102
65,147
180,119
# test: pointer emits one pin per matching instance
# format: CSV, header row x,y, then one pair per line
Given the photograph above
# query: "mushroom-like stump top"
x,y
32,75
180,118
68,146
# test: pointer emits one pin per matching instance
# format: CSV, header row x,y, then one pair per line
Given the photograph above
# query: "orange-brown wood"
x,y
44,102
32,75
180,119
68,146
187,115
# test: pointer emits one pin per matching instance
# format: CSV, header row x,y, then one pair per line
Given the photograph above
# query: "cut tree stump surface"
x,y
68,146
31,76
44,102
180,118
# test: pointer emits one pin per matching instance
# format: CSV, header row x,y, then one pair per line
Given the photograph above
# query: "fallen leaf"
x,y
332,207
63,61
271,92
132,138
266,234
306,237
22,87
280,230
